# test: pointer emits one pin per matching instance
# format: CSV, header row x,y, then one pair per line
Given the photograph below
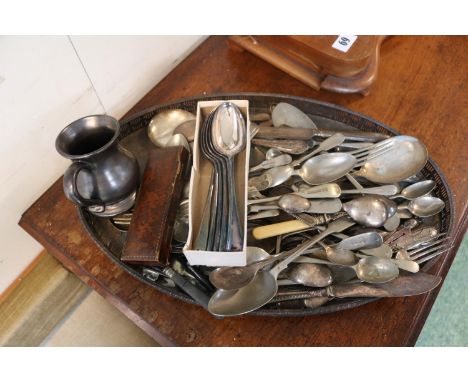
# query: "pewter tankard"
x,y
104,176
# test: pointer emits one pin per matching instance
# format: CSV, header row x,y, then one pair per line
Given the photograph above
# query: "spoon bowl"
x,y
272,153
312,275
417,190
246,299
289,115
339,256
376,269
404,157
229,278
370,210
297,204
179,140
228,133
426,206
271,178
161,127
361,241
255,254
326,168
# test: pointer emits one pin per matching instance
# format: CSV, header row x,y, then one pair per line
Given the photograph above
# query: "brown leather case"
x,y
150,233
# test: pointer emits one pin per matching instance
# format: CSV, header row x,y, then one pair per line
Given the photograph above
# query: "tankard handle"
x,y
73,172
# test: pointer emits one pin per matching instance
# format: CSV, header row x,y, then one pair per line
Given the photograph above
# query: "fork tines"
x,y
441,249
422,245
364,155
430,250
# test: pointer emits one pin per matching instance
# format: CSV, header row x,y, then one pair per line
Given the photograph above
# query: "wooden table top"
x,y
421,91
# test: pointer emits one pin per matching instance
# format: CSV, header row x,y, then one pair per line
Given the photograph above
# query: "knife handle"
x,y
289,146
271,230
289,296
360,136
285,133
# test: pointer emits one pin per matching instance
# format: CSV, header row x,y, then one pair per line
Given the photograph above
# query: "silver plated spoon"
x,y
416,190
229,139
424,206
405,156
162,125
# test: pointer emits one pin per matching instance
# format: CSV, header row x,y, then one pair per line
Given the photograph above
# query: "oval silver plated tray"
x,y
134,137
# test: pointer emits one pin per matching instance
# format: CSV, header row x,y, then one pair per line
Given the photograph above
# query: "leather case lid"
x,y
150,232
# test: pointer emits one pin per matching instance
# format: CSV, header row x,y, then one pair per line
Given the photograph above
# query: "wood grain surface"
x,y
421,91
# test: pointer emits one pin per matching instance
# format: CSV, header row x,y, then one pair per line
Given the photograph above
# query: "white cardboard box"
x,y
199,185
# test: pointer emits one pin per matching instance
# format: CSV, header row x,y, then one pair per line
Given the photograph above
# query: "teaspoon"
x,y
424,206
416,190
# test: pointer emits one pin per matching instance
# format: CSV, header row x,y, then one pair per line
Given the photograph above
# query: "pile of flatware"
x,y
331,214
373,215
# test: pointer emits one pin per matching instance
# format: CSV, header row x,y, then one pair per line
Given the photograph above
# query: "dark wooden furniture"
x,y
421,91
334,63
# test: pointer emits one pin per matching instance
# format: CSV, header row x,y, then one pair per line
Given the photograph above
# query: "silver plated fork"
x,y
427,251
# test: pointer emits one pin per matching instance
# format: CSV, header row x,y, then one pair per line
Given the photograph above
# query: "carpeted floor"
x,y
447,324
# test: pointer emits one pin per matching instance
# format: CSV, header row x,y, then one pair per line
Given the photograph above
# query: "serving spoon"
x,y
162,125
404,157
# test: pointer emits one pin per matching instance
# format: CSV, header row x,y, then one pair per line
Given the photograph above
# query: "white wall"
x,y
46,83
